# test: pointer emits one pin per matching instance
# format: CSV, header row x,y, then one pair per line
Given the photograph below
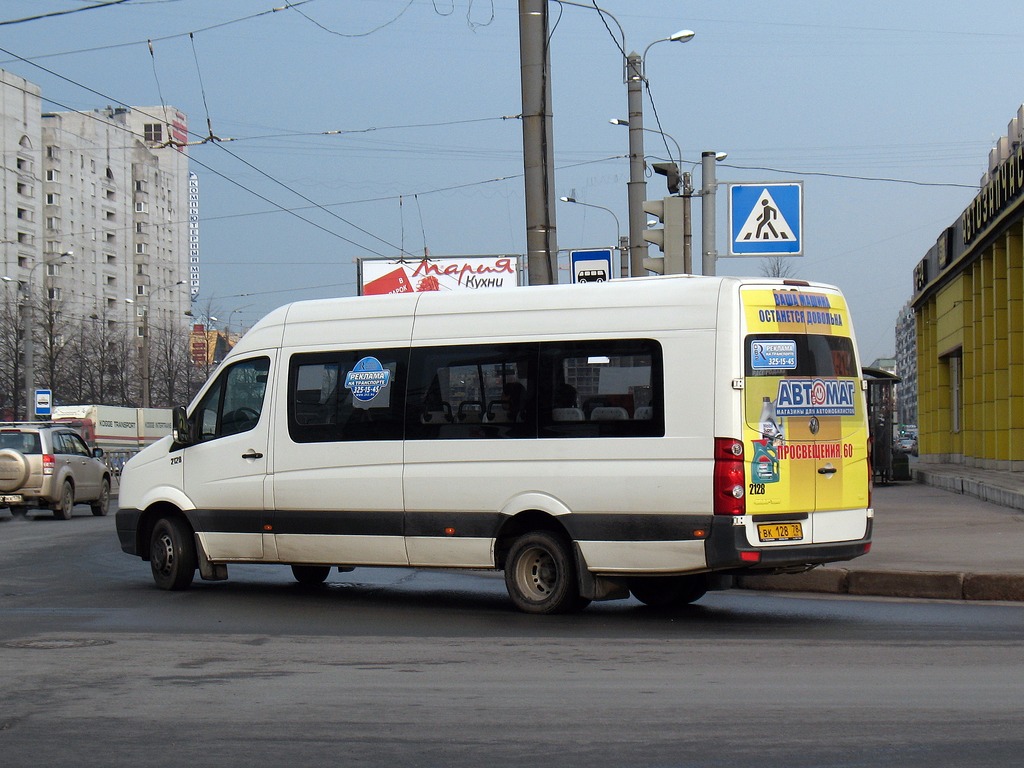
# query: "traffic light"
x,y
671,173
670,212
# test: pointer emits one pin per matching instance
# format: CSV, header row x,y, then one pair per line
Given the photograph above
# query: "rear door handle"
x,y
827,471
253,455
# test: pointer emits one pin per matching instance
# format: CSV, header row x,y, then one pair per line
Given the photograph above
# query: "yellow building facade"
x,y
969,308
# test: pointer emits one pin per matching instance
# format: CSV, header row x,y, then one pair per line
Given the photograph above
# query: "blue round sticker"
x,y
367,379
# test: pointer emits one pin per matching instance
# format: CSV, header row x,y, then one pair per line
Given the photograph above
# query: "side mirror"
x,y
97,453
181,429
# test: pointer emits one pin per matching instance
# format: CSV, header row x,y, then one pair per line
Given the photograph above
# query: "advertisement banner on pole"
x,y
449,273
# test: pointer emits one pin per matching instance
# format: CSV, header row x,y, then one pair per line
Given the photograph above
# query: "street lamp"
x,y
231,314
29,311
637,185
634,78
623,263
145,339
679,152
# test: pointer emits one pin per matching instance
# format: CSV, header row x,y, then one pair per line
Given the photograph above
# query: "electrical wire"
x,y
67,12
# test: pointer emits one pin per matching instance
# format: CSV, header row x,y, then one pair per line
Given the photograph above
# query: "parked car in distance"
x,y
907,445
49,466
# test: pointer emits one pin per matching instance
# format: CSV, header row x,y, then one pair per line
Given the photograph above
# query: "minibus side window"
x,y
235,401
607,388
465,392
346,395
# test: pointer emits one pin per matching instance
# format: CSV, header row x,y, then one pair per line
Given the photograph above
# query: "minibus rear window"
x,y
794,354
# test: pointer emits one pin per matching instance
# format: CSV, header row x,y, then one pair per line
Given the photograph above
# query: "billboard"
x,y
449,273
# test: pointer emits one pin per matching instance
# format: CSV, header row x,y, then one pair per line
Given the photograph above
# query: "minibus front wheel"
x,y
540,575
172,553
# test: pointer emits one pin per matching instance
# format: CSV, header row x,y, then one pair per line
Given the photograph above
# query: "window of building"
x,y
52,175
153,132
140,248
140,207
52,198
955,394
140,290
53,294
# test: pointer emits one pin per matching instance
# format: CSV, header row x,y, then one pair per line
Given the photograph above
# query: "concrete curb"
x,y
911,584
986,489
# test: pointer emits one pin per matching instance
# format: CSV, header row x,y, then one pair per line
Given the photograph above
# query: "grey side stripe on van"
x,y
582,527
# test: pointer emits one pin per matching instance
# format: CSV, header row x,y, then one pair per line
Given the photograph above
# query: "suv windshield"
x,y
25,442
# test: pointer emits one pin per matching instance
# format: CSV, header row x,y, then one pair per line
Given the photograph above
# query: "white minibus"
x,y
647,436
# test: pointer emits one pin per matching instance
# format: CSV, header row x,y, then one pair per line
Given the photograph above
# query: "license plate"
x,y
780,532
11,499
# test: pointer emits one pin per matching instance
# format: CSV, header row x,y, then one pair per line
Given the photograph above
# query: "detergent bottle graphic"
x,y
764,466
771,425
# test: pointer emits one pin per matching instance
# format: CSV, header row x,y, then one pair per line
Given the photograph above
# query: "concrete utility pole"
x,y
709,188
637,185
538,143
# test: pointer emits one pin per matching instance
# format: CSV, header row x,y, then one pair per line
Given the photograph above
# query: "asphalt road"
x,y
411,668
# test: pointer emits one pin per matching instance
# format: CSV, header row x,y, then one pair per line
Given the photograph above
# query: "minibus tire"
x,y
311,575
666,592
540,575
172,554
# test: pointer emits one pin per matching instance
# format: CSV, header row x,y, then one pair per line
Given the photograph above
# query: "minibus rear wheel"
x,y
540,575
311,575
666,592
172,554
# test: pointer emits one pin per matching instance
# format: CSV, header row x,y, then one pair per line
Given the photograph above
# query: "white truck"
x,y
121,432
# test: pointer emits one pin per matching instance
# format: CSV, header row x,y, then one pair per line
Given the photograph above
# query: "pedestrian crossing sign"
x,y
766,219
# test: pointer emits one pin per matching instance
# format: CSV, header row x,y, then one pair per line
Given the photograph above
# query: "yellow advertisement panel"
x,y
805,432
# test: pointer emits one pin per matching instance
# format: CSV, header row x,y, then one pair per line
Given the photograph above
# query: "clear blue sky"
x,y
810,90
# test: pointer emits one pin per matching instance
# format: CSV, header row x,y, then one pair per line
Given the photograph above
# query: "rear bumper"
x,y
728,550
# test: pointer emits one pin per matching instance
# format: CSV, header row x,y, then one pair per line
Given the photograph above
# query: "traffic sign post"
x,y
766,219
592,266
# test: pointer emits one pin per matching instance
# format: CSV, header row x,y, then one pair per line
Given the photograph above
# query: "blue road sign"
x,y
43,402
593,266
766,219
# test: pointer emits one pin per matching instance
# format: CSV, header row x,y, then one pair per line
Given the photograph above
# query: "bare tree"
x,y
11,372
777,266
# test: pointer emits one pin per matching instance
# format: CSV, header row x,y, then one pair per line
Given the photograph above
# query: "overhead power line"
x,y
39,16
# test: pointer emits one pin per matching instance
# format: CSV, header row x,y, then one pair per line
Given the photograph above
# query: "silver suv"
x,y
49,466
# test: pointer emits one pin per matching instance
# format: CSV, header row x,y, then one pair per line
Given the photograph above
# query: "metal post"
x,y
145,357
709,188
30,374
538,143
637,186
687,224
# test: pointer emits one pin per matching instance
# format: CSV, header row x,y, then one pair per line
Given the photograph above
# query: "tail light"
x,y
730,496
49,462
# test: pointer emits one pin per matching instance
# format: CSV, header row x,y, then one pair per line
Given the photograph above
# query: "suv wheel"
x,y
66,502
102,504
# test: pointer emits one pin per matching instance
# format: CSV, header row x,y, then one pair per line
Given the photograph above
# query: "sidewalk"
x,y
952,533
